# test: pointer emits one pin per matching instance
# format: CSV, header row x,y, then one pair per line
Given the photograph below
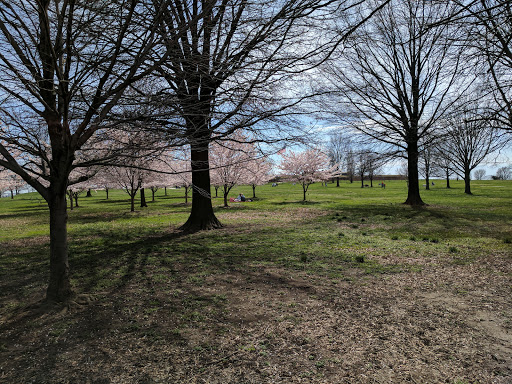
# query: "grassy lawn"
x,y
348,287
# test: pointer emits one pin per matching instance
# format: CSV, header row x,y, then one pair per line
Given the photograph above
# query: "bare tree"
x,y
234,68
393,80
427,164
442,164
362,165
504,173
488,25
479,174
470,138
61,76
350,165
338,148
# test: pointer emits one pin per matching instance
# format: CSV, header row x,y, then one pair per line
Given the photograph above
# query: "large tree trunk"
x,y
201,215
447,179
12,194
337,181
59,287
427,181
467,181
143,198
89,194
253,191
413,185
304,189
106,190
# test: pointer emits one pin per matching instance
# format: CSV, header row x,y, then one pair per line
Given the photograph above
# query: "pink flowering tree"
x,y
104,180
179,170
306,167
11,182
229,161
258,173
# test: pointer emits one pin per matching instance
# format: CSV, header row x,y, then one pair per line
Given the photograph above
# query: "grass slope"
x,y
350,287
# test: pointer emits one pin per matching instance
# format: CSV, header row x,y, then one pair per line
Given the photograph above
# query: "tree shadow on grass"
x,y
297,202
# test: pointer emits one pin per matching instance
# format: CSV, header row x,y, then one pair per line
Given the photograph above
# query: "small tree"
x,y
479,174
306,167
257,173
339,152
470,138
426,165
229,161
504,173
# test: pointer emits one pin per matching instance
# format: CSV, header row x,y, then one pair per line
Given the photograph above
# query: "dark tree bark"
x,y
304,190
201,215
467,181
132,203
225,195
143,198
413,185
254,191
89,194
59,286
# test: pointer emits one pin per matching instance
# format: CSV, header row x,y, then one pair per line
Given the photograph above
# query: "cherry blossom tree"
x,y
229,161
306,167
258,173
104,179
11,182
182,171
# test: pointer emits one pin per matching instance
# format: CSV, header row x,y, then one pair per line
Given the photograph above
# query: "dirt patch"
x,y
271,325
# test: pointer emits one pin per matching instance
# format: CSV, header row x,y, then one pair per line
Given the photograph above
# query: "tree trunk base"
x,y
417,202
200,224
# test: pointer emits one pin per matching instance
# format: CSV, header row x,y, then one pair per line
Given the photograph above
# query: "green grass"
x,y
335,230
153,287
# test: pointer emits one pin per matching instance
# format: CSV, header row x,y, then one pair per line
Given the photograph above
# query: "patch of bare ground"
x,y
271,325
283,216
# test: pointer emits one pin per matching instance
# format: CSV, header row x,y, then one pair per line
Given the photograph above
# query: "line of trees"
x,y
77,78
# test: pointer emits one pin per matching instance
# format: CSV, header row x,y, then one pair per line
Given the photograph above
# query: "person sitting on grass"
x,y
240,197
